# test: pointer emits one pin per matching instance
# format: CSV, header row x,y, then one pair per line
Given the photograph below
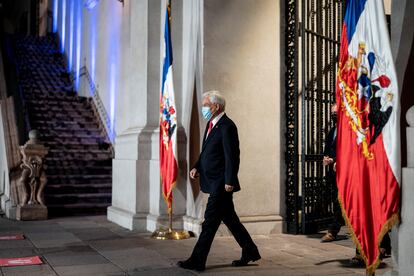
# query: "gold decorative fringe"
x,y
393,220
169,209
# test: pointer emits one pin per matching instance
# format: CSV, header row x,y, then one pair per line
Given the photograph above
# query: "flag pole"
x,y
170,220
166,125
170,233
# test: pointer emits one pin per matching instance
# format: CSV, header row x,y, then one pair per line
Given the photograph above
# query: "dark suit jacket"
x,y
330,144
219,160
330,150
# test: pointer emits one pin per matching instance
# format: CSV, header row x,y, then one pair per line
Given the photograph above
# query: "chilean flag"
x,y
368,141
168,120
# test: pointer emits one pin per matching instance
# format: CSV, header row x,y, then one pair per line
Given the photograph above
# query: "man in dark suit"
x,y
329,160
217,166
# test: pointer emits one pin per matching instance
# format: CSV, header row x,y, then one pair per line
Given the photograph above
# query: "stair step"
x,y
58,129
40,105
47,87
80,209
54,117
69,152
64,122
80,176
64,125
79,152
78,162
62,141
61,96
71,199
78,170
73,179
92,195
79,133
78,188
73,144
77,198
56,136
80,108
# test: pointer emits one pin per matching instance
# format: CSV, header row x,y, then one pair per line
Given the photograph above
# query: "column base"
x,y
127,219
7,207
192,224
255,225
391,273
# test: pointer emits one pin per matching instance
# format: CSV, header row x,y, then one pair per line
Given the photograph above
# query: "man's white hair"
x,y
216,98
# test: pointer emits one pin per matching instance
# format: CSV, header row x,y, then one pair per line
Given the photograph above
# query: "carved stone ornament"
x,y
32,180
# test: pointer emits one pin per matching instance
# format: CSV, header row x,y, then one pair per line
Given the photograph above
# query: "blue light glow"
x,y
71,23
112,92
55,15
90,4
114,55
92,43
78,43
62,39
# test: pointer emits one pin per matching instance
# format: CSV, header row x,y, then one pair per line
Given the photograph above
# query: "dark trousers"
x,y
220,208
338,221
385,243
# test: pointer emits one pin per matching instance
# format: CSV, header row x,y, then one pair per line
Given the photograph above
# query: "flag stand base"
x,y
169,234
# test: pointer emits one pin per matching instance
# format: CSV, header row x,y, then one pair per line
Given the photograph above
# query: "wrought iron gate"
x,y
313,29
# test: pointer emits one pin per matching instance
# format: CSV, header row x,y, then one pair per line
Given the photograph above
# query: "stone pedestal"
x,y
137,201
31,212
134,170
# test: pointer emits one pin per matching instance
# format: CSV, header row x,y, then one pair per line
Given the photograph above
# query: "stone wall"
x,y
242,59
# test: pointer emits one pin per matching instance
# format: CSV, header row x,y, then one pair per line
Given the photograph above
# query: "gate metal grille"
x,y
312,52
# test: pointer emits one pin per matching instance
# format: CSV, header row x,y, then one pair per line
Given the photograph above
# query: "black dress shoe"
x,y
244,260
188,264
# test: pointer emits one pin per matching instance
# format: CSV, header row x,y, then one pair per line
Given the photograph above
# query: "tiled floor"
x,y
93,246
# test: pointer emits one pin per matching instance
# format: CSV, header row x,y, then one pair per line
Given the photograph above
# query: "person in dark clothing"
x,y
385,251
329,160
217,167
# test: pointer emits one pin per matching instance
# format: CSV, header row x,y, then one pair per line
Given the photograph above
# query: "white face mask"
x,y
206,111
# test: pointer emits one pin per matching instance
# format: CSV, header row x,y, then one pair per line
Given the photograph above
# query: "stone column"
x,y
137,202
133,152
406,229
402,32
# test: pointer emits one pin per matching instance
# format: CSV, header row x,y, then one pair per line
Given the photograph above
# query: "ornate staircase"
x,y
79,163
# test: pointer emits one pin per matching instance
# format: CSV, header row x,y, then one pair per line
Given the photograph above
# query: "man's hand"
x,y
193,173
327,160
334,167
228,188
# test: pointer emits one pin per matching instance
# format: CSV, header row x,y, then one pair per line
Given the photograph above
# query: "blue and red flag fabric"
x,y
168,120
368,141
